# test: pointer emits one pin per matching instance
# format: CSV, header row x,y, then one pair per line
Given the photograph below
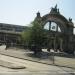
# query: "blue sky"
x,y
22,12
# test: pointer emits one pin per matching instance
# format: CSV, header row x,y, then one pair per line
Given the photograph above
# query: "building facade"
x,y
60,30
10,34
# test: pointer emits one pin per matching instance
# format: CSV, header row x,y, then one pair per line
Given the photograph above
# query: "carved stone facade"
x,y
60,30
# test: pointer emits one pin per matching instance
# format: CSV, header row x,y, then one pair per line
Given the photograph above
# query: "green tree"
x,y
35,36
26,36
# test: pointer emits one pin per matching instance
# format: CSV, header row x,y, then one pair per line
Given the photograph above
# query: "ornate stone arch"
x,y
65,25
58,20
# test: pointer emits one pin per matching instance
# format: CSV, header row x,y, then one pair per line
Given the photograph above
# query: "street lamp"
x,y
53,51
53,56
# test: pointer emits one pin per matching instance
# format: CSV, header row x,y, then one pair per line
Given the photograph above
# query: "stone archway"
x,y
55,44
66,26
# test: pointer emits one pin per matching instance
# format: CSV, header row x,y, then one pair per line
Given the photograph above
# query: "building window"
x,y
46,26
52,26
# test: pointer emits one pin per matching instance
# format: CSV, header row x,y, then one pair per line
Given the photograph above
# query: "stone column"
x,y
54,43
49,26
61,41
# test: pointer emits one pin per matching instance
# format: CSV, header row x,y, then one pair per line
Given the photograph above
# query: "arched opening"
x,y
55,41
52,26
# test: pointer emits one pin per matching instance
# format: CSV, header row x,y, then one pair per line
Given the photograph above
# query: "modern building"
x,y
10,34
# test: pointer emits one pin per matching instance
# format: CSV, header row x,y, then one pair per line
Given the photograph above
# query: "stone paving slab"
x,y
60,61
35,68
23,55
39,69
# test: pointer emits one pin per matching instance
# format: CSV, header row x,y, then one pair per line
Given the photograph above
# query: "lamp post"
x,y
53,52
53,59
53,56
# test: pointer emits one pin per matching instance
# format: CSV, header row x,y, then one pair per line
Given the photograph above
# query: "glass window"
x,y
52,26
59,30
46,26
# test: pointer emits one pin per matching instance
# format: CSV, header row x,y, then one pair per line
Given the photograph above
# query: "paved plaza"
x,y
31,67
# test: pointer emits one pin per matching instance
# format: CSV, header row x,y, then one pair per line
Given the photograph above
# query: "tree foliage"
x,y
26,35
34,34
